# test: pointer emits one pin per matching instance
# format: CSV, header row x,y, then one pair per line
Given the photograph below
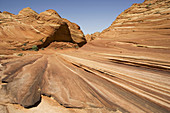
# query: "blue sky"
x,y
90,15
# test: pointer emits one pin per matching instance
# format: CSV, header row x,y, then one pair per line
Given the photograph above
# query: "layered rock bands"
x,y
125,69
28,28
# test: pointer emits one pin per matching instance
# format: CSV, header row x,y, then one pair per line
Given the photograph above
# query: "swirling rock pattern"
x,y
121,71
87,80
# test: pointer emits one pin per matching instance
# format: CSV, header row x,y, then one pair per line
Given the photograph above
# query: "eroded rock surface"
x,y
121,71
28,28
90,37
145,25
88,81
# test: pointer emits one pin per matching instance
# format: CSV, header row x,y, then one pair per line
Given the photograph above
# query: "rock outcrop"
x,y
146,24
125,70
28,28
92,36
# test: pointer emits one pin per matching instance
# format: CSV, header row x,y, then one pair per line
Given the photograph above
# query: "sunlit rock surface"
x,y
121,71
28,28
90,37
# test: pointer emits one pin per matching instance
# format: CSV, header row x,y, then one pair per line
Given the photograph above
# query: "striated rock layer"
x,y
85,81
28,28
144,25
122,71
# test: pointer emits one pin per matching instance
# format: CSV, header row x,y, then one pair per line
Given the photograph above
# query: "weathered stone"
x,y
124,70
28,28
92,36
3,109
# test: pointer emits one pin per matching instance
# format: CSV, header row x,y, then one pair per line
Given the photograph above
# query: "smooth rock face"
x,y
28,28
121,71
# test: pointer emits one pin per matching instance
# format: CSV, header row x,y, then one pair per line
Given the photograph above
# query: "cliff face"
x,y
28,28
125,70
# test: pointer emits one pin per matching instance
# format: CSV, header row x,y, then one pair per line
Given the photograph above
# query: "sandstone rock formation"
x,y
144,25
125,70
92,36
28,28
